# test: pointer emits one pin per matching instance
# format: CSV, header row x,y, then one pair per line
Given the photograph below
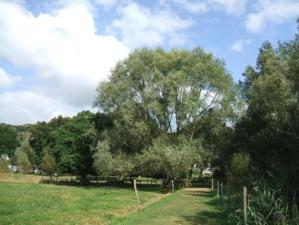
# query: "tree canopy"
x,y
156,93
8,140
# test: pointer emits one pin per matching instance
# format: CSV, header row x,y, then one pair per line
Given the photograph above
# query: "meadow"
x,y
25,201
35,203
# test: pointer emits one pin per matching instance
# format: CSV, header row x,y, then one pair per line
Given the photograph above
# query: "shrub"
x,y
266,207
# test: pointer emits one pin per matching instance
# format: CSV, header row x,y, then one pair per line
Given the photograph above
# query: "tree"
x,y
39,139
8,140
106,164
122,166
73,145
26,148
41,136
169,161
22,161
48,163
269,130
155,92
102,159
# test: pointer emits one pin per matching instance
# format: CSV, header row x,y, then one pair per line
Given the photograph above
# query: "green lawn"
x,y
24,201
52,204
192,206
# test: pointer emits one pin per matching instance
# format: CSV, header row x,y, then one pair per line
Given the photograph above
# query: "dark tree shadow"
x,y
108,185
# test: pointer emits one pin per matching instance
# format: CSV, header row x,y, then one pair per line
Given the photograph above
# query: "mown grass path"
x,y
189,207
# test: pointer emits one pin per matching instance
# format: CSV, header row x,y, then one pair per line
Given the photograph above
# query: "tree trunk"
x,y
83,179
166,183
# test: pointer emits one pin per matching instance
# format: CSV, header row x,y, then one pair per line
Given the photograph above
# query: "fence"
x,y
232,197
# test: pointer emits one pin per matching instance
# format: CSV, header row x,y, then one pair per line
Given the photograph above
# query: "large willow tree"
x,y
157,92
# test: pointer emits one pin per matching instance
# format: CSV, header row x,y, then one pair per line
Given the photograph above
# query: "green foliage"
x,y
269,132
73,144
40,139
170,161
103,159
48,162
22,161
8,140
122,165
178,95
266,207
106,164
239,165
26,148
155,92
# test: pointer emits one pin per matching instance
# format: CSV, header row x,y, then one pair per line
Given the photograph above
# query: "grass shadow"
x,y
92,185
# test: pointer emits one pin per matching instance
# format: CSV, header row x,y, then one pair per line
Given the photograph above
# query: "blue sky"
x,y
54,53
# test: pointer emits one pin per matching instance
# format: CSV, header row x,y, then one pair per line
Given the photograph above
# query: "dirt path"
x,y
189,207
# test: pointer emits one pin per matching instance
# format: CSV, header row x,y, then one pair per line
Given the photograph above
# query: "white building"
x,y
4,157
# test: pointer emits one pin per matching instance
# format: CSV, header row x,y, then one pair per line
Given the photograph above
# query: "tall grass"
x,y
266,207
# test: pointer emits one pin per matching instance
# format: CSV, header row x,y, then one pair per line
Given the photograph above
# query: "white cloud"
x,y
29,107
139,26
7,80
271,11
62,49
239,45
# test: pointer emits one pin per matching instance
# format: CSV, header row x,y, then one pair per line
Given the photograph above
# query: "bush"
x,y
238,170
240,164
266,207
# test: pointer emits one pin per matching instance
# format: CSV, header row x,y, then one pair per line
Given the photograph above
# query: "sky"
x,y
53,53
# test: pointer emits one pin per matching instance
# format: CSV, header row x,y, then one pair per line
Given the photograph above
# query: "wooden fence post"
x,y
172,185
228,193
212,184
245,204
136,192
221,192
218,189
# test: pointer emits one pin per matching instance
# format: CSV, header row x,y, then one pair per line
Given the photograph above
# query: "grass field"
x,y
24,201
52,204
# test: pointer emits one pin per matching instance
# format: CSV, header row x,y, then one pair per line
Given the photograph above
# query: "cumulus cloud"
x,y
28,107
271,11
139,26
239,45
7,80
63,51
